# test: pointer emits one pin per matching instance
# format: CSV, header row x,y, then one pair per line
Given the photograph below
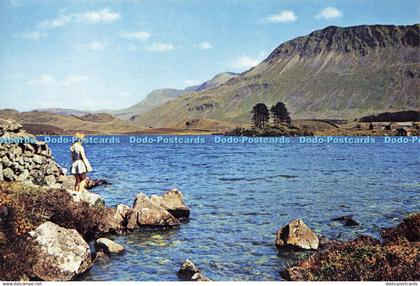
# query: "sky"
x,y
92,55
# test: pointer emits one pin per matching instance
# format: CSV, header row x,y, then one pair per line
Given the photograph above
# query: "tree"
x,y
280,113
260,115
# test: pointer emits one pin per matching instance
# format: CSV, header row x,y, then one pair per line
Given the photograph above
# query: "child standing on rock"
x,y
80,166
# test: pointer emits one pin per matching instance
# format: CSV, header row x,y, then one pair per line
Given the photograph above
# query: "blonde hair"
x,y
80,136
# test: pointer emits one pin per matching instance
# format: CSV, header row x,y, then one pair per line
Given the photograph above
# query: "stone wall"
x,y
25,159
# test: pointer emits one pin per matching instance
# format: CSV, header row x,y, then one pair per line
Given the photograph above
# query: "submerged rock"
x,y
147,213
101,257
173,202
108,246
61,254
92,183
296,236
347,219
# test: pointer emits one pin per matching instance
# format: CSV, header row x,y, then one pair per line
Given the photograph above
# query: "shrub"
x,y
25,208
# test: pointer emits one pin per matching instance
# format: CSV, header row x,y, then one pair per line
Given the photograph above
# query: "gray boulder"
x,y
108,246
199,277
9,126
173,202
119,218
146,214
9,175
190,272
61,254
88,197
30,160
296,235
67,182
187,270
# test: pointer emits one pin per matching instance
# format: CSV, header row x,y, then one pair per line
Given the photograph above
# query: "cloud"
x,y
90,17
100,16
246,62
139,35
192,82
329,13
60,21
73,79
285,16
94,46
48,80
203,46
160,47
33,36
44,79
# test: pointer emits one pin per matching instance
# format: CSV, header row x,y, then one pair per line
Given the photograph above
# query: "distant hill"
x,y
98,117
50,123
62,111
160,96
331,73
400,116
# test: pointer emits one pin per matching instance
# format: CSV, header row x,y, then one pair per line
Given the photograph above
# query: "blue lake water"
x,y
240,194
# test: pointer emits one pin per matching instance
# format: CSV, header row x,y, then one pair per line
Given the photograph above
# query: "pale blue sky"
x,y
87,54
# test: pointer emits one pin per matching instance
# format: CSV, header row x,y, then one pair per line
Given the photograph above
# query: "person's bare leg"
x,y
82,182
76,183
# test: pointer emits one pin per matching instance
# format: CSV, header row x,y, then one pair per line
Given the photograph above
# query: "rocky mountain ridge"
x,y
331,73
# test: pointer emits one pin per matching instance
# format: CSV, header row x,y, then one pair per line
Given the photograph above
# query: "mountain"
x,y
160,96
216,81
152,100
331,73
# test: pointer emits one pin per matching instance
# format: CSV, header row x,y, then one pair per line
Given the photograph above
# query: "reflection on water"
x,y
241,194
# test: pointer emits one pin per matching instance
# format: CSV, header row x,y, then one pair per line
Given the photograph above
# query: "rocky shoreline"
x,y
270,131
352,129
45,225
50,232
394,257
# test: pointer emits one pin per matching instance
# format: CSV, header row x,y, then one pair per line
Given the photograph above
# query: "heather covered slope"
x,y
330,73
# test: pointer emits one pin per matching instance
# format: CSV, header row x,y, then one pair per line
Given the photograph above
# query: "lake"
x,y
240,194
